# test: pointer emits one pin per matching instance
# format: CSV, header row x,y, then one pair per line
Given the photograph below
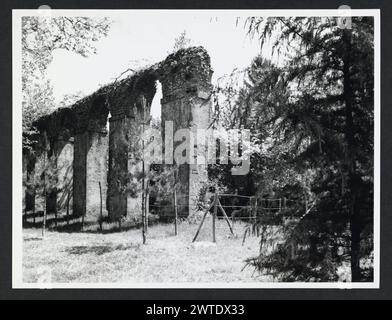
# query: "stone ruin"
x,y
85,154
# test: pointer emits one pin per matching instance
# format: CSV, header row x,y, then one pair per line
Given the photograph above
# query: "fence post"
x,y
68,209
214,217
44,217
146,207
254,220
100,208
55,216
143,214
202,220
35,199
44,191
175,211
255,215
44,223
225,215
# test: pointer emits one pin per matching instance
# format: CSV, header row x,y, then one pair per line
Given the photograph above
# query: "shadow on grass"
x,y
61,222
73,224
32,239
108,229
99,250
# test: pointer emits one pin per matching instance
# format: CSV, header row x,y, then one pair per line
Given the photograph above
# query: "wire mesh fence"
x,y
219,210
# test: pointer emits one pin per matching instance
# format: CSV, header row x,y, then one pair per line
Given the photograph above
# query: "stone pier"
x,y
91,160
186,90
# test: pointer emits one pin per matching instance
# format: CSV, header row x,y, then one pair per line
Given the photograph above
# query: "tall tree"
x,y
321,123
182,42
41,35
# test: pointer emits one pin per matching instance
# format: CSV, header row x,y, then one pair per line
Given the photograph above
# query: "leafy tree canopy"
x,y
41,35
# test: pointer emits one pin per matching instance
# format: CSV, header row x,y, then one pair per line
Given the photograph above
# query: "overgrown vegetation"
x,y
311,115
41,36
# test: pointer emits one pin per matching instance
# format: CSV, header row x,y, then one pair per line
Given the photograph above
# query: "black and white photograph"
x,y
196,148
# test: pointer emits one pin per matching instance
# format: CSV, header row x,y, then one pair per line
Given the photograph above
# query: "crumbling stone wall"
x,y
37,174
90,158
84,154
129,103
49,164
64,157
186,89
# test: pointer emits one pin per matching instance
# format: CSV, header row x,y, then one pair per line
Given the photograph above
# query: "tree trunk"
x,y
350,160
355,246
68,209
55,217
214,217
175,211
44,191
34,204
100,207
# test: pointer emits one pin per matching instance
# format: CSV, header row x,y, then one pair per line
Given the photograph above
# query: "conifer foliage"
x,y
311,110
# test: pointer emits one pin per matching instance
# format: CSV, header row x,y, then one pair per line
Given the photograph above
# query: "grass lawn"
x,y
121,257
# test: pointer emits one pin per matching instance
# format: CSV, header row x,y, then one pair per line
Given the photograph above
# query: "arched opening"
x,y
96,160
155,123
155,110
108,121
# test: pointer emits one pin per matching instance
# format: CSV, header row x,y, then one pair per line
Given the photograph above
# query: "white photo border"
x,y
17,190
